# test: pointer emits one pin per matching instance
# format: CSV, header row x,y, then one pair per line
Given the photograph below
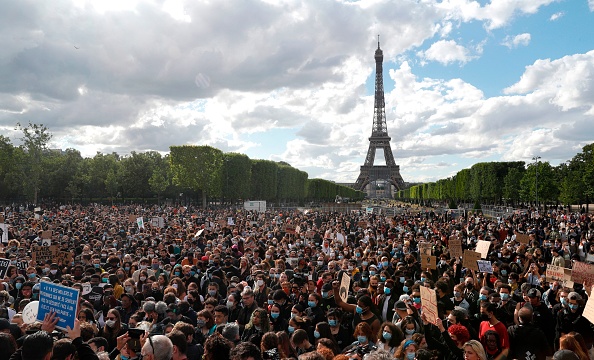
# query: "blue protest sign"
x,y
60,299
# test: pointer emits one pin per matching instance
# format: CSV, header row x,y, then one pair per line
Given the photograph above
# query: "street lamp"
x,y
536,158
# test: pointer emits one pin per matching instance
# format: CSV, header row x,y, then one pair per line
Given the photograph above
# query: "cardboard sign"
x,y
589,309
345,284
158,222
523,238
455,246
582,273
484,266
428,262
429,304
132,218
470,258
4,263
483,247
44,254
362,224
63,257
46,242
47,234
425,249
555,273
60,299
222,222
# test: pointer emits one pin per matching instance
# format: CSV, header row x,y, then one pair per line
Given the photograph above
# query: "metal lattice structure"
x,y
390,173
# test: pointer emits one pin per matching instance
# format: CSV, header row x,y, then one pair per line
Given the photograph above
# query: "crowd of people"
x,y
230,284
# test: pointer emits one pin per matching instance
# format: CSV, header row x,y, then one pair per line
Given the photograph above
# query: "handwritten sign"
x,y
582,273
589,309
46,234
290,229
63,257
484,266
132,218
428,262
425,249
555,273
470,258
4,263
43,254
483,247
362,224
60,299
22,265
345,284
429,304
455,246
523,238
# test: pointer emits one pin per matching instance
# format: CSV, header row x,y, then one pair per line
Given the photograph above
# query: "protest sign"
x,y
62,257
140,222
428,262
46,234
554,273
425,249
222,222
455,246
589,309
567,278
522,238
4,263
60,299
30,312
4,233
46,242
345,284
230,221
369,210
22,265
43,253
310,234
429,304
484,266
582,273
290,229
483,247
470,258
132,218
362,224
158,222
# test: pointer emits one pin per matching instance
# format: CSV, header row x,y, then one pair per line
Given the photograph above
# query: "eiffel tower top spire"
x,y
380,129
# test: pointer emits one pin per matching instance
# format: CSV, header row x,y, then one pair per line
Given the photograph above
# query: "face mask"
x,y
129,289
177,273
405,288
18,285
316,334
230,304
274,315
332,322
96,266
212,292
362,338
409,331
386,335
457,294
324,294
573,306
200,323
411,356
371,272
350,268
417,300
311,304
365,278
483,297
155,266
260,282
485,317
504,296
110,323
385,264
127,268
503,272
387,290
270,301
422,279
564,301
291,329
357,254
45,270
174,286
53,272
106,280
359,309
142,267
382,278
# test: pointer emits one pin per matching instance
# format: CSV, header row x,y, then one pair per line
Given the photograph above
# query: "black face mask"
x,y
485,317
469,286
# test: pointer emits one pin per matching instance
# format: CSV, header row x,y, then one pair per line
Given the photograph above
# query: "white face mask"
x,y
260,282
110,323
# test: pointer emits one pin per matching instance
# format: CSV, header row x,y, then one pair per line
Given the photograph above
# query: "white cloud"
x,y
517,41
557,15
591,5
446,52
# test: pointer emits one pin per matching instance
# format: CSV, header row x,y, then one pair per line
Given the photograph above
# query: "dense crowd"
x,y
195,284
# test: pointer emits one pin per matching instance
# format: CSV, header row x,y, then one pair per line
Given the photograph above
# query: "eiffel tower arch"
x,y
373,176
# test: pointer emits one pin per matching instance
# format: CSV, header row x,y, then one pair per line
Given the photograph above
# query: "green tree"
x,y
511,185
159,182
35,139
197,168
236,176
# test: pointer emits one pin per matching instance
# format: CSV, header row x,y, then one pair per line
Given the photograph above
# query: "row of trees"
x,y
511,183
32,172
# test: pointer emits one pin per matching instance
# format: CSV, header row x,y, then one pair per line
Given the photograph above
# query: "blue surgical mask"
x,y
417,300
483,297
563,301
385,264
362,338
382,278
387,336
364,278
324,294
402,279
573,306
18,285
316,334
409,331
311,304
274,315
359,309
365,263
387,290
504,296
457,294
423,279
410,356
371,272
503,272
32,275
291,329
332,322
270,301
405,288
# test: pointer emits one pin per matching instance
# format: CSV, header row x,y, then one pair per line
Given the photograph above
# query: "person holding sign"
x,y
364,311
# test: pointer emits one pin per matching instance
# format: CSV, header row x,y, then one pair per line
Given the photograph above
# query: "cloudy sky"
x,y
466,81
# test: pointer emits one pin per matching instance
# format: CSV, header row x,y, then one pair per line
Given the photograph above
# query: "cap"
x,y
204,258
400,305
326,287
534,293
565,355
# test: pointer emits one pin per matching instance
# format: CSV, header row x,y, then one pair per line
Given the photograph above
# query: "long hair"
x,y
397,335
284,344
477,348
115,330
270,341
400,351
569,342
264,322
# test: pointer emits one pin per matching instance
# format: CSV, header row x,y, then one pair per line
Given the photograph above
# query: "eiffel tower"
x,y
372,174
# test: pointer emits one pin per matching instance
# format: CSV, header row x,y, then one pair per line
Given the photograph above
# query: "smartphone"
x,y
134,341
